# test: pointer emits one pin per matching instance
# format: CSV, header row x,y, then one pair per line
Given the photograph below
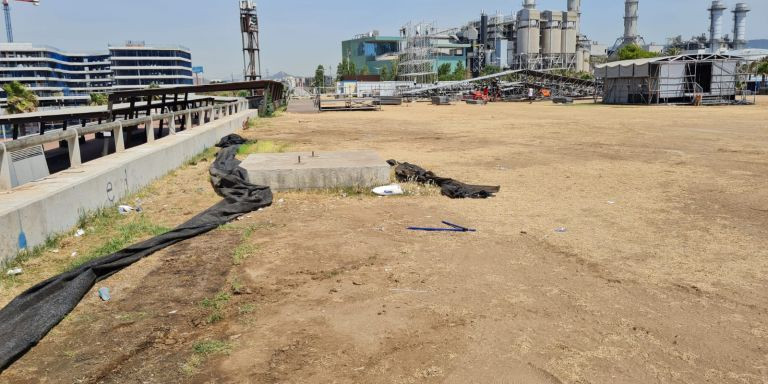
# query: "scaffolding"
x,y
417,58
512,83
708,79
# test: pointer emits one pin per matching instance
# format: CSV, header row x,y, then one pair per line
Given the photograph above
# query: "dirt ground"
x,y
659,277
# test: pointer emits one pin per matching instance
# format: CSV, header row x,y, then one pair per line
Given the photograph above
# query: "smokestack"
x,y
574,6
740,26
716,25
529,4
630,21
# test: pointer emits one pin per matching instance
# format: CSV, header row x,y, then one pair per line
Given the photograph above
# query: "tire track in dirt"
x,y
144,335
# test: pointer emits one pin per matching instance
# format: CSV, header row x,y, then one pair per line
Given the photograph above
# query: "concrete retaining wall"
x,y
43,208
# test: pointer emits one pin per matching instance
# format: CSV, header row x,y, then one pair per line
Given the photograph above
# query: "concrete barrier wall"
x,y
43,208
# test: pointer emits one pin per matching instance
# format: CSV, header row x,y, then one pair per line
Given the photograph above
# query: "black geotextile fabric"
x,y
448,187
31,315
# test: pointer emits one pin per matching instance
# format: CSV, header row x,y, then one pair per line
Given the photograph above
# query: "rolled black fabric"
x,y
31,315
449,187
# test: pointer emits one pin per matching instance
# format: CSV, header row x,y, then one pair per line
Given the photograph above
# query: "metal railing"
x,y
73,135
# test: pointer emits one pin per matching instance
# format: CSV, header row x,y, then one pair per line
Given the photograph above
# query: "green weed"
x,y
262,146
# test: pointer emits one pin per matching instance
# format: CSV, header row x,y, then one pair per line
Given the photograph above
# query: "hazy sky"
x,y
297,35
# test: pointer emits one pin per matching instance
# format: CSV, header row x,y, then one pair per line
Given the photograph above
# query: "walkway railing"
x,y
73,135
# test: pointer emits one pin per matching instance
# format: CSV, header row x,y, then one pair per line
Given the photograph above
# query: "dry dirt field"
x,y
660,276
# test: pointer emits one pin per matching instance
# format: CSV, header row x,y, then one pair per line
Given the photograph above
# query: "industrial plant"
x,y
530,39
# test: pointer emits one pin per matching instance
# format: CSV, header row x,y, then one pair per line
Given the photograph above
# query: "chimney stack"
x,y
529,4
716,25
630,21
740,26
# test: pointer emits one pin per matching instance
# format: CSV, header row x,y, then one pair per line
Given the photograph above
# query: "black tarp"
x,y
454,189
31,315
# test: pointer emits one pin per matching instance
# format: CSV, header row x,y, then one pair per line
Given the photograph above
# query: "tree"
x,y
384,73
674,51
490,70
633,51
267,107
460,72
395,69
364,70
99,99
341,70
762,69
319,80
20,98
444,72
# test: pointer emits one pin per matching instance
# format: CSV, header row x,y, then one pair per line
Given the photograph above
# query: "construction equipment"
x,y
7,11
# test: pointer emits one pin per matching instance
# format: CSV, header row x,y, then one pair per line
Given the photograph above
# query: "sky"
x,y
297,35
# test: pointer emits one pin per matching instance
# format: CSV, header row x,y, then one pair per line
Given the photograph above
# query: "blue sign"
x,y
197,69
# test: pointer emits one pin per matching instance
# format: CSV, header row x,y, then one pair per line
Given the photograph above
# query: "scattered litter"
x,y
561,230
611,202
449,187
79,232
407,290
356,283
54,250
125,209
388,190
281,201
453,228
172,312
35,312
14,272
74,254
104,294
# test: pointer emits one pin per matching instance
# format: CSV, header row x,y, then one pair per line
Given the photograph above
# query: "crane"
x,y
7,11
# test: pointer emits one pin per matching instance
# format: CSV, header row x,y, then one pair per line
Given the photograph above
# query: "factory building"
x,y
716,40
372,51
530,39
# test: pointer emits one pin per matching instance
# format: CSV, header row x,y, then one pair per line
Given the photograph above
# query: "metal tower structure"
x,y
249,26
7,12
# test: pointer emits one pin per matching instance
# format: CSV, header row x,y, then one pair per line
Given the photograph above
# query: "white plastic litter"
x,y
79,232
14,272
124,209
388,190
